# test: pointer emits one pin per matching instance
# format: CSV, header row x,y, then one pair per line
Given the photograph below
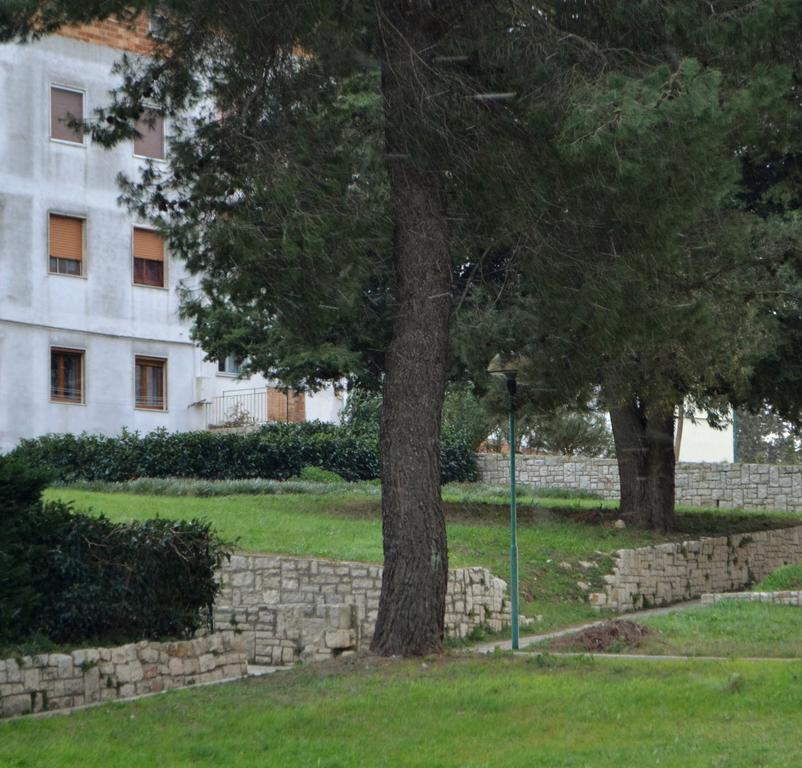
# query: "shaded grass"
x,y
470,713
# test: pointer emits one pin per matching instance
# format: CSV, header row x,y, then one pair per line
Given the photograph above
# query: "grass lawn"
x,y
729,628
471,713
554,534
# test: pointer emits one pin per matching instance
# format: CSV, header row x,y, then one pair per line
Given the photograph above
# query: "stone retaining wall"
x,y
670,573
60,680
731,486
788,597
292,608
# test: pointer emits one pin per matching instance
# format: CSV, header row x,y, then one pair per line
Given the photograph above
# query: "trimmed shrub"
x,y
318,475
276,451
73,577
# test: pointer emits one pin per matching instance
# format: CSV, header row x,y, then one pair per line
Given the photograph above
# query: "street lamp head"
x,y
506,366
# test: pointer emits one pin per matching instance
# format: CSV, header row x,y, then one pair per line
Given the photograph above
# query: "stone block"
x,y
340,638
19,704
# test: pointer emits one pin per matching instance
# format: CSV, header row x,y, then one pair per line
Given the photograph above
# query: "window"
x,y
157,23
148,257
66,245
65,103
229,365
66,375
151,379
149,141
285,405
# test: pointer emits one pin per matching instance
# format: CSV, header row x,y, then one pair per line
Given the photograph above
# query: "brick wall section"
x,y
131,36
291,608
89,675
670,573
730,486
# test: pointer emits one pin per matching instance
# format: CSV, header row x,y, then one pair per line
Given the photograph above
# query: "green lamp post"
x,y
506,367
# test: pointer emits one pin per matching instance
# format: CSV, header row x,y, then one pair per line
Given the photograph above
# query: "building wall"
x,y
102,312
700,442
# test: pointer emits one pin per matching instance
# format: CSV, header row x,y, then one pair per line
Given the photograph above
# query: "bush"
x,y
277,452
318,475
73,577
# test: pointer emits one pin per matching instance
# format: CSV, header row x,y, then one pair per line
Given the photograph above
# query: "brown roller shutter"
x,y
150,142
65,103
66,237
148,245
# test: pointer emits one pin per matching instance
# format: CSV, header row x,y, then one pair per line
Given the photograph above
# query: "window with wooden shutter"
x,y
151,383
66,375
149,141
66,104
286,405
66,244
148,257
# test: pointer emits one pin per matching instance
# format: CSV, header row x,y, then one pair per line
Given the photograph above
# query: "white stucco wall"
x,y
700,442
102,312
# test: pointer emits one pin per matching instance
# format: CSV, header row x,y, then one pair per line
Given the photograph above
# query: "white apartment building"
x,y
90,336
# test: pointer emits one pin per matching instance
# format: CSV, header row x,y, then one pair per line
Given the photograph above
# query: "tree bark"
x,y
644,448
412,604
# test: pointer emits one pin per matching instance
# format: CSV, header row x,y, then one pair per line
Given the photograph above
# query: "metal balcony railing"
x,y
237,408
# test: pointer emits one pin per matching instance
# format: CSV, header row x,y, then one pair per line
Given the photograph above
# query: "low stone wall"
x,y
60,680
789,597
731,486
670,573
292,608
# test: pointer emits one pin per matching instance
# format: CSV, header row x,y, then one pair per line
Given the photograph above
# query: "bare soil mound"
x,y
610,635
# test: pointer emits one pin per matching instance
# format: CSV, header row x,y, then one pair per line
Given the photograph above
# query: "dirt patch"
x,y
610,635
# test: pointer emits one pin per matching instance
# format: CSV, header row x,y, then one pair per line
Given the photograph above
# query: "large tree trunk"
x,y
644,447
412,604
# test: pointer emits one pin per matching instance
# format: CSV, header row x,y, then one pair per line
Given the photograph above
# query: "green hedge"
x,y
277,452
72,577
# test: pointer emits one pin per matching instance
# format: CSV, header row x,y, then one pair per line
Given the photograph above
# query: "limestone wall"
x,y
786,597
669,573
61,680
291,608
731,486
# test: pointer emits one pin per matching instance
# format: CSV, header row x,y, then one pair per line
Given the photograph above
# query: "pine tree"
x,y
321,165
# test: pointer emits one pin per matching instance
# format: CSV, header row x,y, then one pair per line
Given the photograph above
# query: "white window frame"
x,y
228,374
154,108
73,89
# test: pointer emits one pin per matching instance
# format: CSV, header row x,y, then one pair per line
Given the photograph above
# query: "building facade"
x,y
90,335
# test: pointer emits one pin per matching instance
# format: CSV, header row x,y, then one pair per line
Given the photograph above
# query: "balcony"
x,y
247,408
